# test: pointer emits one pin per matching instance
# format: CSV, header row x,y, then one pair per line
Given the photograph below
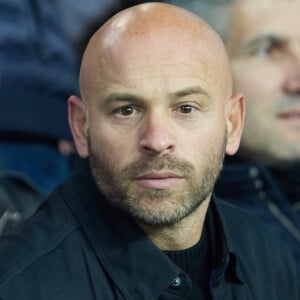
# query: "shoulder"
x,y
249,235
255,242
233,214
260,258
39,236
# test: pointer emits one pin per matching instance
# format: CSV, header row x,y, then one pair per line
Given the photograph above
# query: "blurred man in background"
x,y
263,42
37,73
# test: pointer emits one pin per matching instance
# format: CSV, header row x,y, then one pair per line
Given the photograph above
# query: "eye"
x,y
263,51
127,113
186,109
126,110
266,48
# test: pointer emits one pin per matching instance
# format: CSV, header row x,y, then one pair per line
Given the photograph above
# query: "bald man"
x,y
155,121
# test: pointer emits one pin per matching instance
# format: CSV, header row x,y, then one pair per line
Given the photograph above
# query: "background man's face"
x,y
157,126
264,48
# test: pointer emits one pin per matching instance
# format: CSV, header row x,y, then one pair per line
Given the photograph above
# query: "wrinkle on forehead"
x,y
151,27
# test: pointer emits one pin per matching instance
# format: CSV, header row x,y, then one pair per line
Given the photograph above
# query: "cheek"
x,y
258,123
109,143
258,81
197,145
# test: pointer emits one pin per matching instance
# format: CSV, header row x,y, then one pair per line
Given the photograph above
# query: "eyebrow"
x,y
190,91
128,97
122,97
277,40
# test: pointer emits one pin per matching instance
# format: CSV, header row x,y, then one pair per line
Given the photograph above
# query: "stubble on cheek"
x,y
154,206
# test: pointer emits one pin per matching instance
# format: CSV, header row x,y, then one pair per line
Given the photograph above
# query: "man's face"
x,y
264,49
157,125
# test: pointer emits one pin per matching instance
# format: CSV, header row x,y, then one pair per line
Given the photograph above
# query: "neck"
x,y
181,235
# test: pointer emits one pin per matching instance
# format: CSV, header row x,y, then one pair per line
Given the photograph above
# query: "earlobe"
x,y
77,117
235,122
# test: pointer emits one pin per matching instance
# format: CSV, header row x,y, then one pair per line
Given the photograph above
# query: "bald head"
x,y
154,31
156,91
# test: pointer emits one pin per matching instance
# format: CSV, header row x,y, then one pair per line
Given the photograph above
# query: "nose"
x,y
291,83
156,137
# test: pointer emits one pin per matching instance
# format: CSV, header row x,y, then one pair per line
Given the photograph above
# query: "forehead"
x,y
255,17
165,58
159,51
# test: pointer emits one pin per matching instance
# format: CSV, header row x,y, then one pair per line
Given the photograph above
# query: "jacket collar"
x,y
222,231
128,256
123,249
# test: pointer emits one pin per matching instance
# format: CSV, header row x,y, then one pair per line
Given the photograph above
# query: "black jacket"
x,y
253,187
19,199
78,247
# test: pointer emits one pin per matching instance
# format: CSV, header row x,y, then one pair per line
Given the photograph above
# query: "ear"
x,y
235,122
77,116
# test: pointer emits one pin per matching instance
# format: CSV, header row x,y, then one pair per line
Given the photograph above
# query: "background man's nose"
x,y
291,83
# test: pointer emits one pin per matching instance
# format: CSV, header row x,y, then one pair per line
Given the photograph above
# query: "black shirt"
x,y
196,262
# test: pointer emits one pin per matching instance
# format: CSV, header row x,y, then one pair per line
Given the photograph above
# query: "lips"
x,y
292,116
160,180
159,175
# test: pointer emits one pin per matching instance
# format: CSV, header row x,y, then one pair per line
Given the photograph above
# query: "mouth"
x,y
291,117
160,180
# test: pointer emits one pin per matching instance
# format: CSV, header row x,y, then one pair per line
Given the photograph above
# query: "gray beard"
x,y
156,207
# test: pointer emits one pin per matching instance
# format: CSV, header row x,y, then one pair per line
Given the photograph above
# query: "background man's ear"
x,y
77,116
236,112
